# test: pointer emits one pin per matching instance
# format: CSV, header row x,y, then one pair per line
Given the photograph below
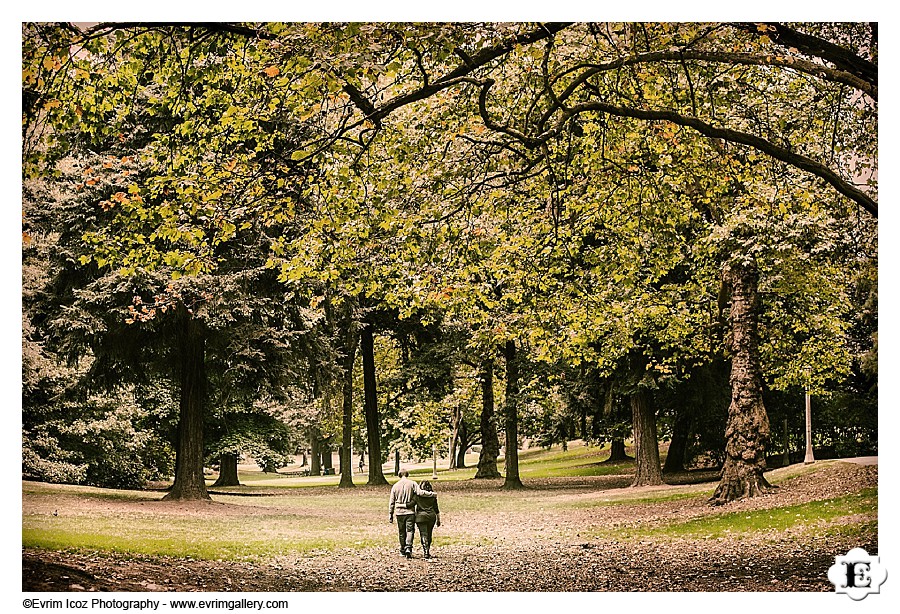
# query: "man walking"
x,y
403,506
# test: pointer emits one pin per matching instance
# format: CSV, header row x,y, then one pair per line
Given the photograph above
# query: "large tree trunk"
x,y
190,484
511,418
646,445
490,443
370,396
681,429
747,431
228,475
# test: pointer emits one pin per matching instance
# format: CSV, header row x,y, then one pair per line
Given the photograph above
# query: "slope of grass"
x,y
776,520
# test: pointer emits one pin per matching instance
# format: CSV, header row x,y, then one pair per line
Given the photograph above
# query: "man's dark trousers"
x,y
406,526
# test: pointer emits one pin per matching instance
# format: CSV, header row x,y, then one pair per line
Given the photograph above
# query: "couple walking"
x,y
414,505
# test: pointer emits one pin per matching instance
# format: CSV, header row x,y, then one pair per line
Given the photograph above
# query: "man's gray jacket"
x,y
402,497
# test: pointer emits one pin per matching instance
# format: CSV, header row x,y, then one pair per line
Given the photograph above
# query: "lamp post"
x,y
809,450
434,458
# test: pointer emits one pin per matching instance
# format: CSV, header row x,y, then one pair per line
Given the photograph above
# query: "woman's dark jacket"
x,y
426,509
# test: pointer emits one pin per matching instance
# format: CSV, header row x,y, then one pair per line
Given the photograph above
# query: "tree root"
x,y
740,488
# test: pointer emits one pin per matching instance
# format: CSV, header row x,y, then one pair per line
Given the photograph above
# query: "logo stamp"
x,y
857,574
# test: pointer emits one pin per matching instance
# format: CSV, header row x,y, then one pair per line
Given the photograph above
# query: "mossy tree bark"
x,y
190,485
370,403
490,443
747,431
511,418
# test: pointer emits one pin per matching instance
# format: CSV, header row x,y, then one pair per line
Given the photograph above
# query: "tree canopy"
x,y
569,193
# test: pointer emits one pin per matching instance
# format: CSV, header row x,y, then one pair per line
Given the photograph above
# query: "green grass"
x,y
246,528
292,515
775,520
578,461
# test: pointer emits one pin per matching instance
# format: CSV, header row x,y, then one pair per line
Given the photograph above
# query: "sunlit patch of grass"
x,y
229,537
858,531
776,520
273,525
579,460
621,496
226,539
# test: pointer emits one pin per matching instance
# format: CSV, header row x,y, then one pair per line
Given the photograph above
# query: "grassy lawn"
x,y
578,461
798,518
306,515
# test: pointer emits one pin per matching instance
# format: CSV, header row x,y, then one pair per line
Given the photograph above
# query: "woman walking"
x,y
427,515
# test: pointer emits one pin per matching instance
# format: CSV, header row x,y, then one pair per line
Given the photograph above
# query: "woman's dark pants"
x,y
425,529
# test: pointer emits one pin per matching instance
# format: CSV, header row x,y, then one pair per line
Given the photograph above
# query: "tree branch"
x,y
779,153
843,58
480,59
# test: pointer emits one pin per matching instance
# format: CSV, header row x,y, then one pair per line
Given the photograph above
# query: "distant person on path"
x,y
362,463
427,514
403,506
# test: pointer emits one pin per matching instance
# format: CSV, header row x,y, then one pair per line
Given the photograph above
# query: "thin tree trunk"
x,y
454,435
584,429
490,443
678,446
315,453
747,431
190,485
511,416
396,462
327,466
463,445
347,434
617,453
786,451
349,340
370,396
228,475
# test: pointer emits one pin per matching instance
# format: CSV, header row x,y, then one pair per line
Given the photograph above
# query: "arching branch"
x,y
843,58
482,58
767,147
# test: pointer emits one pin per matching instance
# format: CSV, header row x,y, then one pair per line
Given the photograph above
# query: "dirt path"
x,y
525,552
